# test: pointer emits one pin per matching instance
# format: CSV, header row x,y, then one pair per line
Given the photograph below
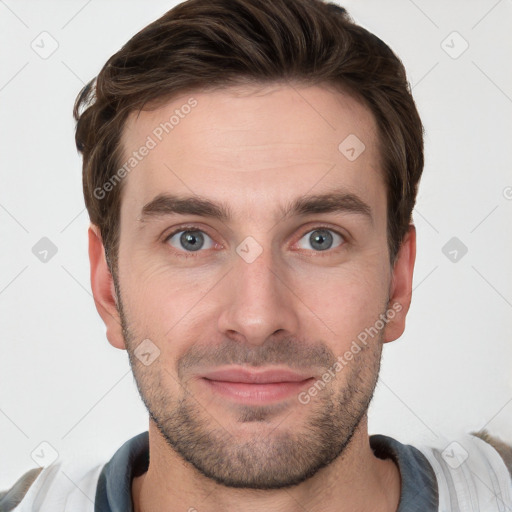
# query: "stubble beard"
x,y
276,458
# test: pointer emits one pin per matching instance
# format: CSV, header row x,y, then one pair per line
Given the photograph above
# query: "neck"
x,y
356,480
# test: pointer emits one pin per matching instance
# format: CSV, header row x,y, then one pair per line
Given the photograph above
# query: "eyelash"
x,y
189,254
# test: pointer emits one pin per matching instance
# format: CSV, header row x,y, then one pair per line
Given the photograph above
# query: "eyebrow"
x,y
332,202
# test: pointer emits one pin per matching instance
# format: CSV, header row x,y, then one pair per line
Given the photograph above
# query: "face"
x,y
254,288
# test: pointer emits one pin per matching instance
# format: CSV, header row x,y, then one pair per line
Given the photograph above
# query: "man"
x,y
250,169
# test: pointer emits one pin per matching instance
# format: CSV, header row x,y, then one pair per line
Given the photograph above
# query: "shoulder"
x,y
12,496
472,470
504,450
53,488
76,481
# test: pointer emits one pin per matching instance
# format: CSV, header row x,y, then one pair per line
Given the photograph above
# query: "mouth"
x,y
256,387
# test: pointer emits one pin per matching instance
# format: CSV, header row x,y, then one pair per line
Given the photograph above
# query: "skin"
x,y
256,149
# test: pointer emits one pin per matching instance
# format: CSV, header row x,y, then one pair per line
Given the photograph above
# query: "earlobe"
x,y
103,289
400,291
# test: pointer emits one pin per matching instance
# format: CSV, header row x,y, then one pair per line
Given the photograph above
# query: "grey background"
x,y
61,383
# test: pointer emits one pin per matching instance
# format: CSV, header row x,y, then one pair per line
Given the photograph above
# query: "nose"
x,y
258,301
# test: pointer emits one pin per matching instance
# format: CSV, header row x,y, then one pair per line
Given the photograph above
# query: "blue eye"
x,y
321,239
190,240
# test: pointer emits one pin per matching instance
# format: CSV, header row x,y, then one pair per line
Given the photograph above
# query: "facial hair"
x,y
281,458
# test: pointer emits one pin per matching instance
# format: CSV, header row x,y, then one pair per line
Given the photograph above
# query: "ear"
x,y
400,291
103,289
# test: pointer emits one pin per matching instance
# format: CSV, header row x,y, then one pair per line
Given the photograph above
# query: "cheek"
x,y
168,307
344,302
180,304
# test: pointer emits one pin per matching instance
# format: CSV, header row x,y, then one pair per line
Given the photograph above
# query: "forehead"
x,y
251,145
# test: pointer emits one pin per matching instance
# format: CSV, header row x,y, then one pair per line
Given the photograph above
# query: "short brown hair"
x,y
200,44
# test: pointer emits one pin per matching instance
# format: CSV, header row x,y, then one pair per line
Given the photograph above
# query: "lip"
x,y
265,376
256,387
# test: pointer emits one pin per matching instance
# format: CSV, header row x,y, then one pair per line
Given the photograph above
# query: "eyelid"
x,y
323,225
185,227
